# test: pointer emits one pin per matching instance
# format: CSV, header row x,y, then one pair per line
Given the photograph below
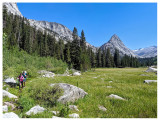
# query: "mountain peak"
x,y
115,38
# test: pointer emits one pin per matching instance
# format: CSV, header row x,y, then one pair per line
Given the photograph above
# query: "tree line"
x,y
75,53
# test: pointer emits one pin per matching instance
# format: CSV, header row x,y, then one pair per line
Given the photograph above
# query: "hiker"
x,y
20,77
24,74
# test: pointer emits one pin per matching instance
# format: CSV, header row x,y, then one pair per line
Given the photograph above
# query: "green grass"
x,y
141,98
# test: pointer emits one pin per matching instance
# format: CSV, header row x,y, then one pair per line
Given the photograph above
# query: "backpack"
x,y
24,75
21,78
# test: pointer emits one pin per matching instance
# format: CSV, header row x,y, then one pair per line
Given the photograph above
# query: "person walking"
x,y
25,76
20,77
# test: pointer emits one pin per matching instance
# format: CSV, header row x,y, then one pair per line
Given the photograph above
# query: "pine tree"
x,y
99,63
103,58
116,58
108,58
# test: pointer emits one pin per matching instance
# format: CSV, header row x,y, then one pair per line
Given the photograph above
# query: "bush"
x,y
44,93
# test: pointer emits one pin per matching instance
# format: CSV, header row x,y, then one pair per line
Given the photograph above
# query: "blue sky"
x,y
134,23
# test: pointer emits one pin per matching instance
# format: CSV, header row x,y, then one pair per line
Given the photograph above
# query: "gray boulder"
x,y
149,81
10,104
71,93
5,93
10,81
45,73
150,69
55,117
34,110
76,74
5,108
73,107
55,112
102,108
74,115
10,115
116,97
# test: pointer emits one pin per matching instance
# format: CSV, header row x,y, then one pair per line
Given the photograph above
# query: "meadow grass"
x,y
141,98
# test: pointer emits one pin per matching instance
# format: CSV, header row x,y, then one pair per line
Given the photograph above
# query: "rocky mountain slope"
x,y
58,30
146,52
116,43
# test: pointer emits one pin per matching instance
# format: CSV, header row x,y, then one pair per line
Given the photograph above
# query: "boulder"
x,y
5,93
55,112
150,69
71,93
73,107
5,108
45,73
116,97
10,115
110,81
74,115
76,74
102,108
149,81
109,86
55,117
34,110
10,81
10,104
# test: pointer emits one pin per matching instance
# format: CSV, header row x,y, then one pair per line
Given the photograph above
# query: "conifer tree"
x,y
116,58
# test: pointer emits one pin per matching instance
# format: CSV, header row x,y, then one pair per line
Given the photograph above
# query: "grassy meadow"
x,y
141,98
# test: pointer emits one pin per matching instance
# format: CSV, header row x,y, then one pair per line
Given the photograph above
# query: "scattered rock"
x,y
55,112
55,117
76,74
102,108
10,81
45,73
110,81
109,86
116,97
73,107
150,69
5,108
10,115
7,89
149,81
144,75
71,93
5,93
34,110
10,104
74,115
95,77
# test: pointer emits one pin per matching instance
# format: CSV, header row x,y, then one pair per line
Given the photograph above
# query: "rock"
x,y
10,81
76,74
109,86
34,110
102,108
144,75
10,115
10,104
149,81
116,97
5,108
73,107
45,73
74,115
110,81
5,93
71,93
55,112
150,69
7,89
95,77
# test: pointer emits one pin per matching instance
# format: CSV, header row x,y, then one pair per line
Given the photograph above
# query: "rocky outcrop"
x,y
10,115
55,112
76,74
71,93
10,104
102,108
116,43
5,108
36,109
5,93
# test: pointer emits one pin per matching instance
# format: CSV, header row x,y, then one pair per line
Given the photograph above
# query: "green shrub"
x,y
44,93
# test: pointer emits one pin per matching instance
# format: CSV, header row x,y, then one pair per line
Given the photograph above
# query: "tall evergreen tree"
x,y
116,58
